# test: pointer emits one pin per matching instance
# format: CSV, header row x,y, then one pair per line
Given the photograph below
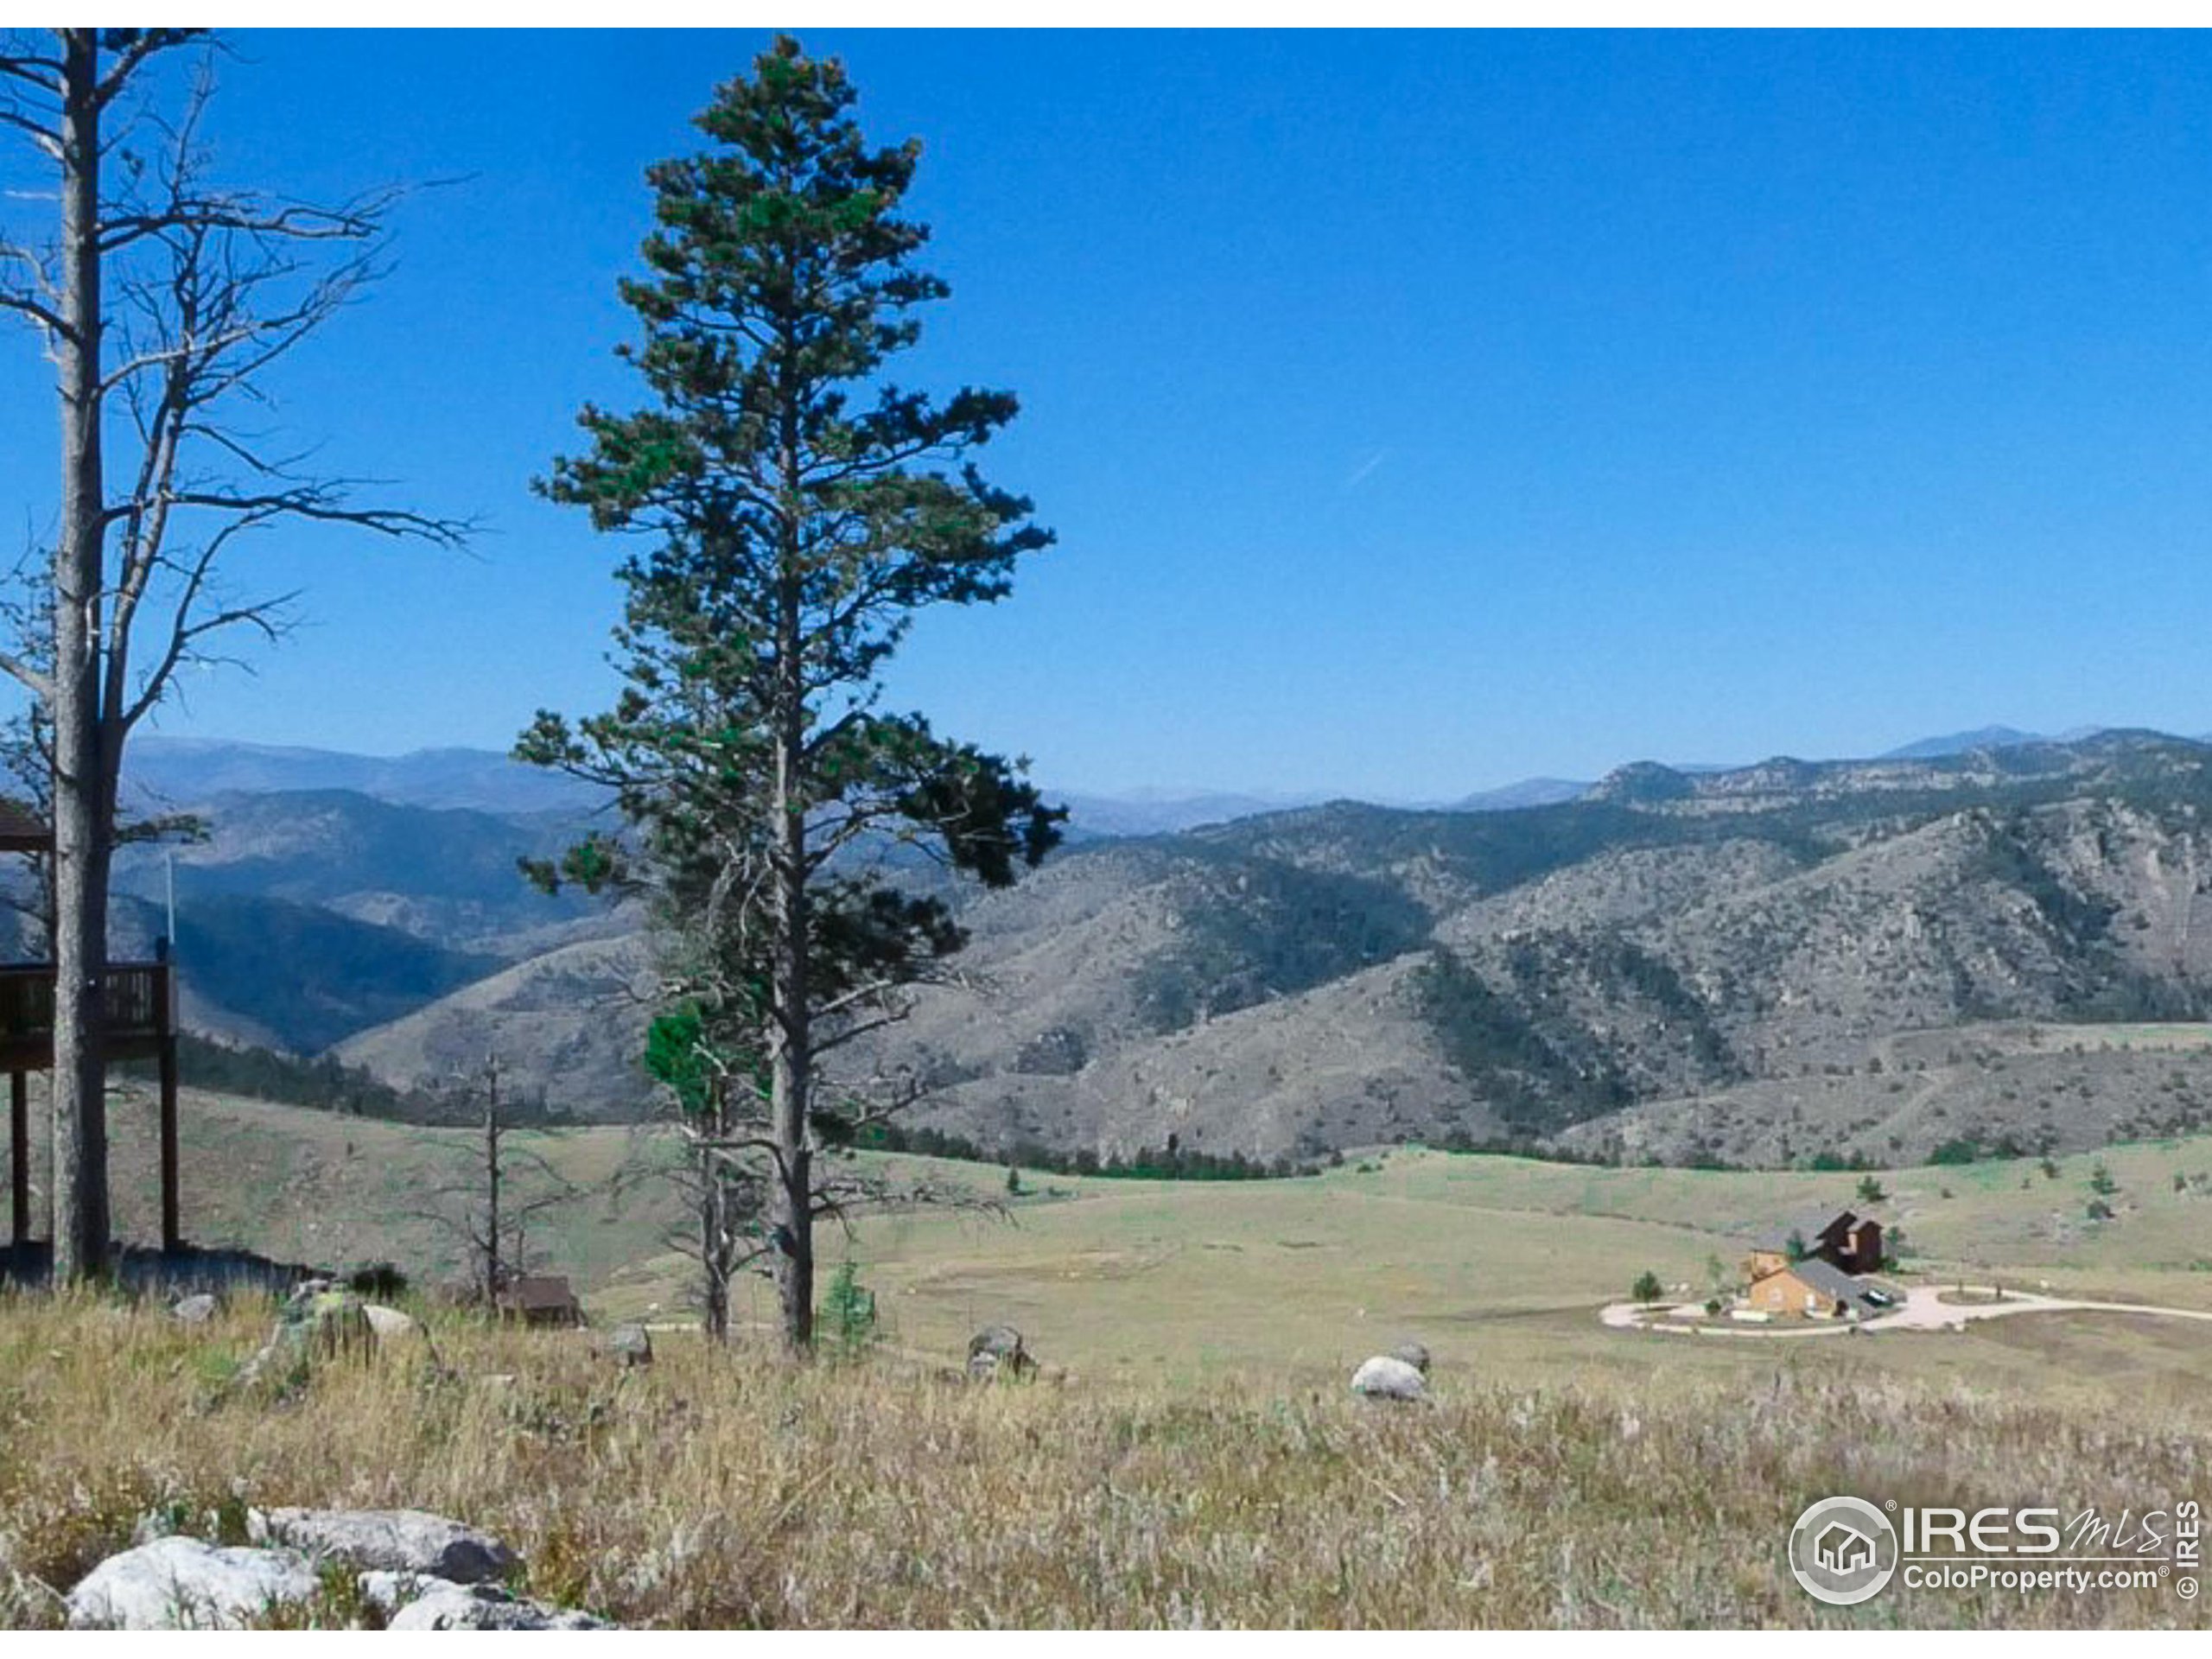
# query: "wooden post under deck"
x,y
19,1154
165,1017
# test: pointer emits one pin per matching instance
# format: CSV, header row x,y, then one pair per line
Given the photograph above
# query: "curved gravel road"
x,y
1922,1310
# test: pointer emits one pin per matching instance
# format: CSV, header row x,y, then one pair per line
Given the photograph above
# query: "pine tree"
x,y
848,1311
797,509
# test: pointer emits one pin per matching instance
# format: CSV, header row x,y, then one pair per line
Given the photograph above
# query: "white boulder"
x,y
480,1607
181,1584
388,1324
1386,1377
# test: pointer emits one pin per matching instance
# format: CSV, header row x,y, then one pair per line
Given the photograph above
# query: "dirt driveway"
x,y
1923,1309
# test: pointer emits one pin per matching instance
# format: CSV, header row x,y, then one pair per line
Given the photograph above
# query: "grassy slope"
x,y
718,1492
1205,1464
1497,1264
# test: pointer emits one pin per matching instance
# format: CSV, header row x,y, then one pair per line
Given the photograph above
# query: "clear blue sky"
x,y
1416,412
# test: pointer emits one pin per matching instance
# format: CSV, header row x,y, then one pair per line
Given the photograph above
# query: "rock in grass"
x,y
391,1591
480,1607
394,1541
1386,1377
181,1584
388,1324
997,1350
196,1310
630,1344
1414,1354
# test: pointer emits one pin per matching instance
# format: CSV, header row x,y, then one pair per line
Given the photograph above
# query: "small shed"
x,y
541,1299
21,829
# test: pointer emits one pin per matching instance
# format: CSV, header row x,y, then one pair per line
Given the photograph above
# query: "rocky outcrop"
x,y
393,1540
420,1572
1415,1354
319,1322
443,1607
177,1584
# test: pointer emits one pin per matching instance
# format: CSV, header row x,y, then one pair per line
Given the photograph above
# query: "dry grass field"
x,y
715,1490
1194,1457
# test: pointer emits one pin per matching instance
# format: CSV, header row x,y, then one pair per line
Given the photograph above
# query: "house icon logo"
x,y
1843,1550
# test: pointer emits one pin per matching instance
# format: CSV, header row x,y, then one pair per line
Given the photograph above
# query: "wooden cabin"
x,y
140,1004
540,1300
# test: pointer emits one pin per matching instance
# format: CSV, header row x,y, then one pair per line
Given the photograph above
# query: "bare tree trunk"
x,y
790,1193
714,1244
492,1185
210,299
82,829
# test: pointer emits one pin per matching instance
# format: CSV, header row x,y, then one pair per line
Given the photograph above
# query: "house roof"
x,y
1810,1225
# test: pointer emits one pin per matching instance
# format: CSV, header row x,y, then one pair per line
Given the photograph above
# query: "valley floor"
x,y
1498,1264
1194,1455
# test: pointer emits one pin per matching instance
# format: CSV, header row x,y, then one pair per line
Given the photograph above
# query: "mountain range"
x,y
1765,963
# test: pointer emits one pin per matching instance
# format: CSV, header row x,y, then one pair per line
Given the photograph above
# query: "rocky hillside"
x,y
303,917
1651,970
1682,964
567,1026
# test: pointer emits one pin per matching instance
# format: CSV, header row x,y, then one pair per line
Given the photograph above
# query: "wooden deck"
x,y
140,1012
141,1024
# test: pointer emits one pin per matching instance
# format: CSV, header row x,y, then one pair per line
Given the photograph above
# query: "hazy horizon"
x,y
1173,791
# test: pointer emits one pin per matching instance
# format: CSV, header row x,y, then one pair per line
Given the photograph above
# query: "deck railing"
x,y
137,998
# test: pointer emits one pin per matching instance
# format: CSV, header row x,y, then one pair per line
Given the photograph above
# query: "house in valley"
x,y
1813,1289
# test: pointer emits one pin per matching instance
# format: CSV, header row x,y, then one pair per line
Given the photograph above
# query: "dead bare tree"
x,y
494,1197
162,300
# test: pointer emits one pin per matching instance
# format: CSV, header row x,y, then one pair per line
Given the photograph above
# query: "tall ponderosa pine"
x,y
799,508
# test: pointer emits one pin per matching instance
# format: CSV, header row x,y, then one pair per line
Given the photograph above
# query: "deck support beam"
x,y
172,1234
19,1155
164,999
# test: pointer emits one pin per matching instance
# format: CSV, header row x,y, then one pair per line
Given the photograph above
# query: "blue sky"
x,y
1416,413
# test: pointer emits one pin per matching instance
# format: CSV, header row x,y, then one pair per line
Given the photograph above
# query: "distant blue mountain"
x,y
187,770
1154,812
1529,792
1986,737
